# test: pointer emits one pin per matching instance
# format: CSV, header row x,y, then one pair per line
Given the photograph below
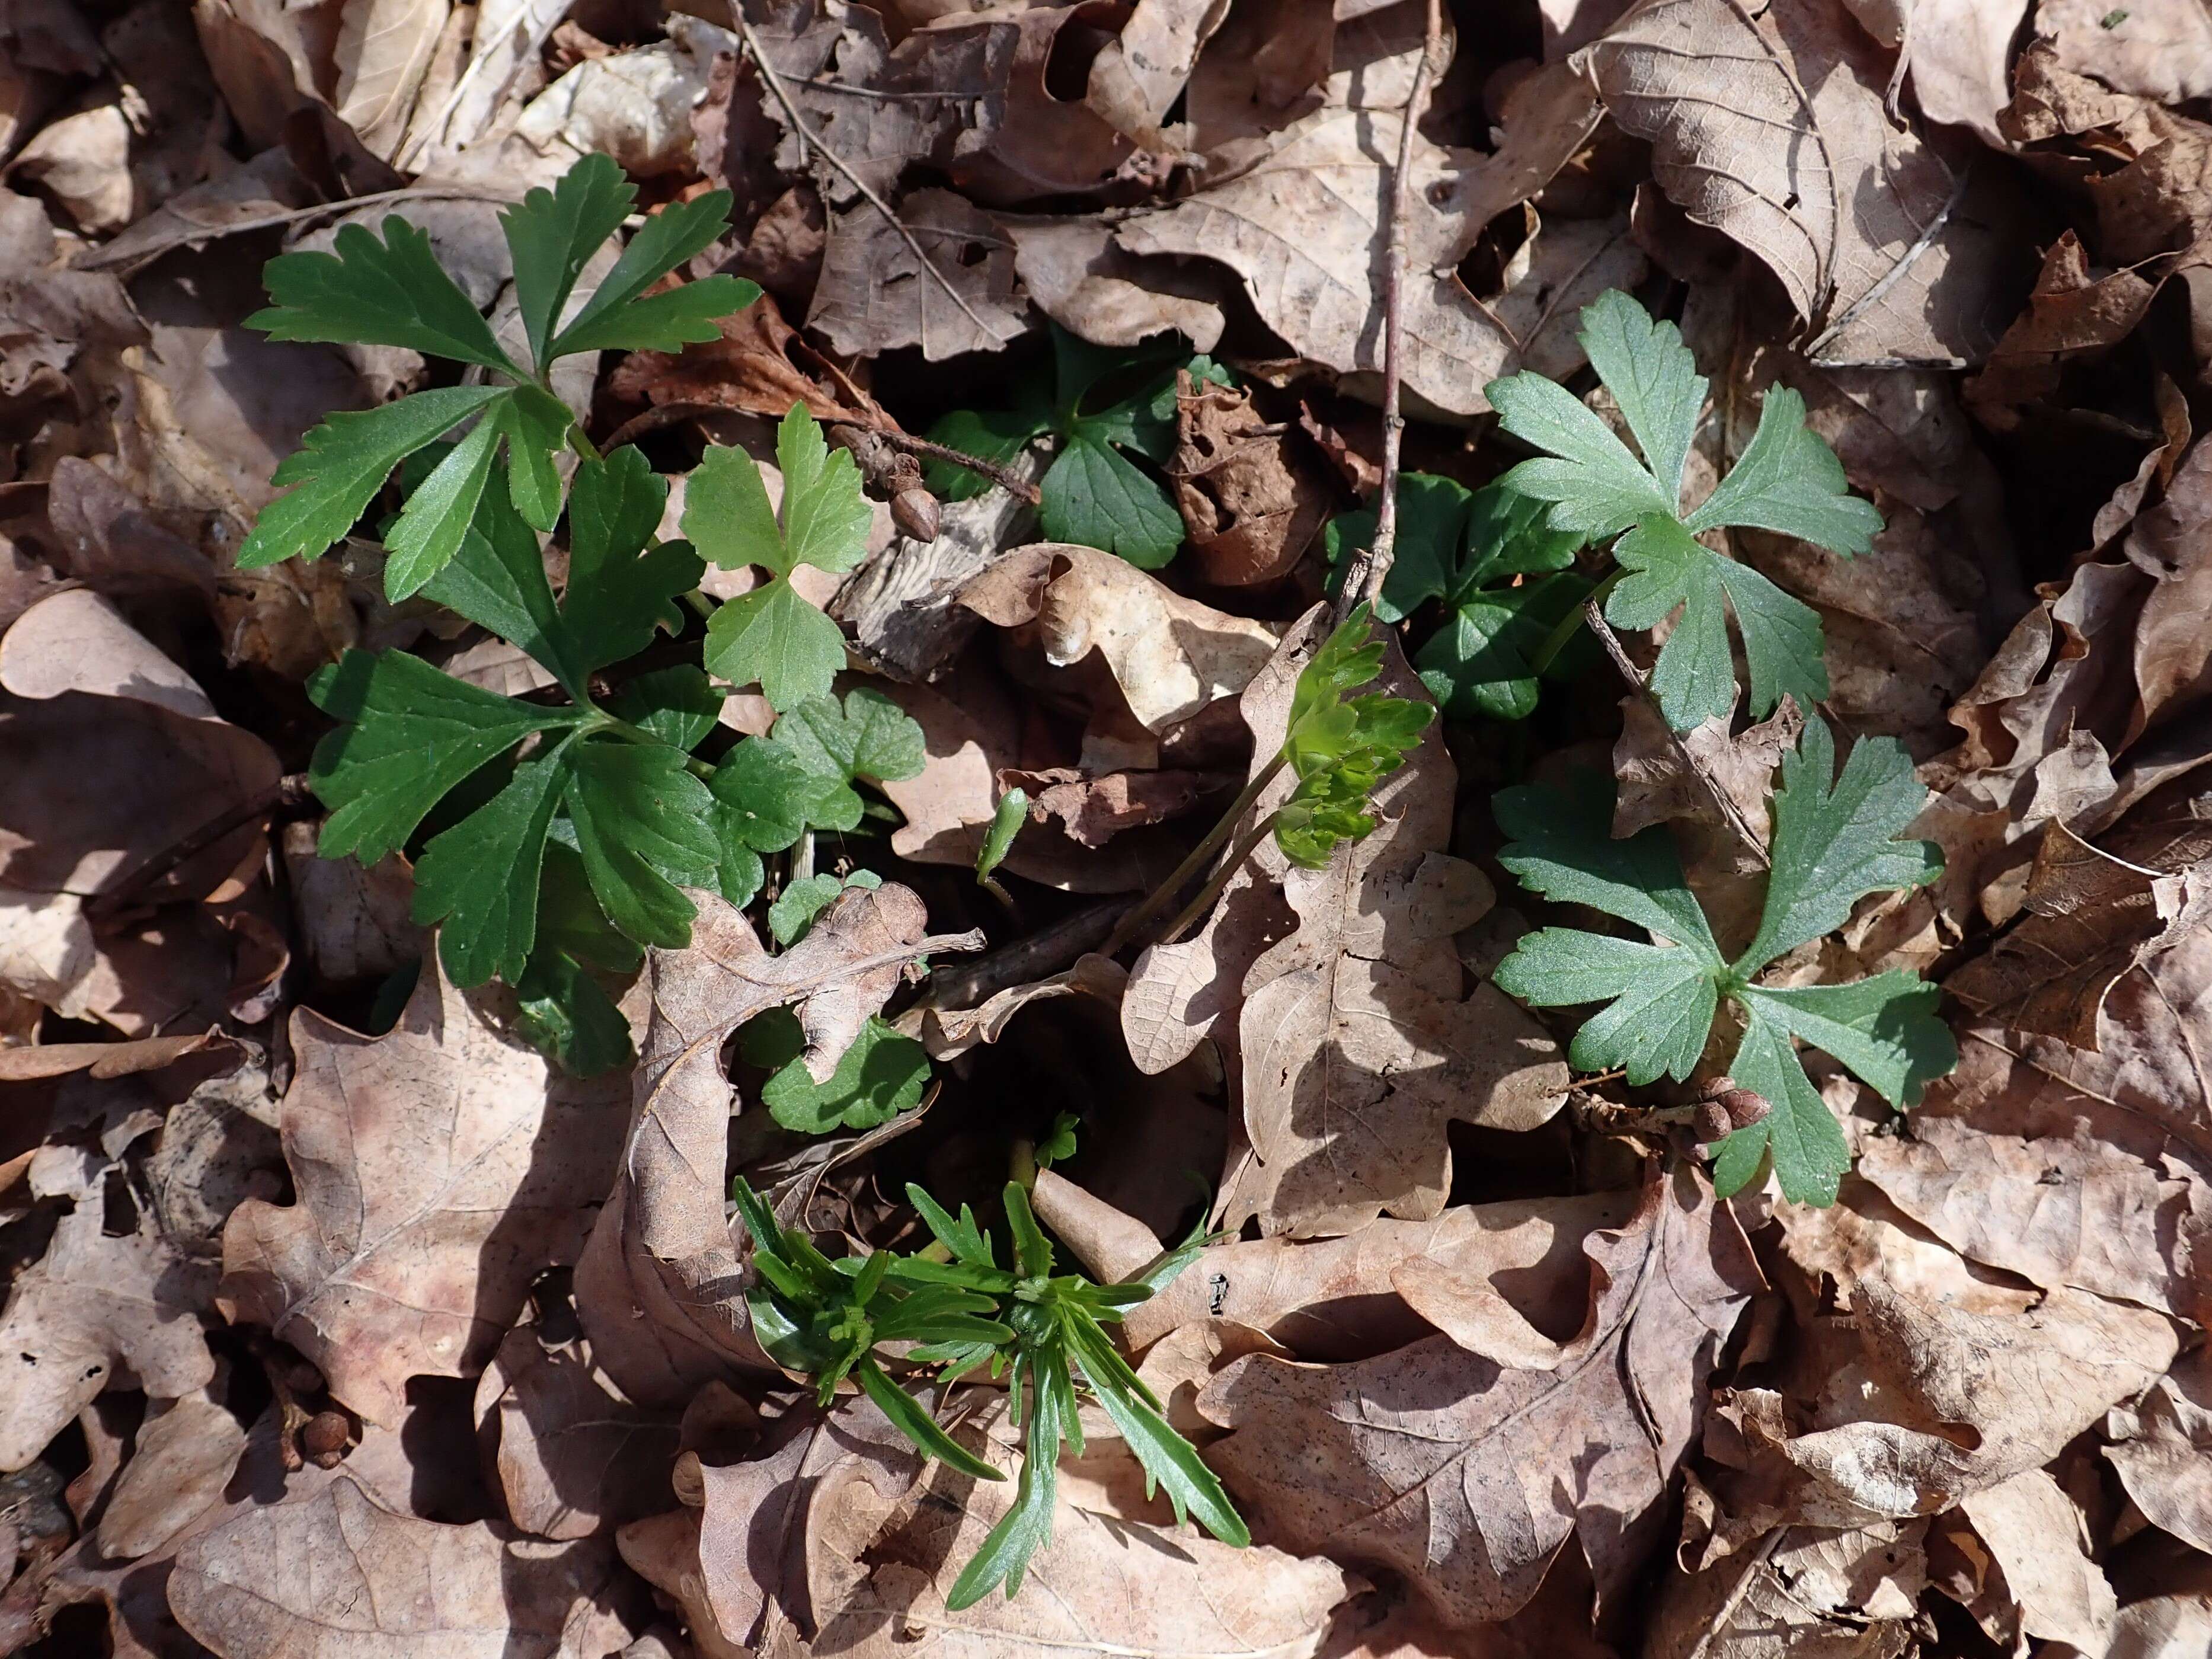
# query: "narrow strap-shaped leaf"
x,y
908,1418
1026,1527
1032,1253
1191,1487
967,1241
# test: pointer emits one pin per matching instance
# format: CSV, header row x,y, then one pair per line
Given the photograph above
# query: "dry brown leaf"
x,y
2161,48
1341,1298
2163,1450
384,48
439,1169
658,1287
1251,504
2036,1535
98,1311
1929,1382
950,1032
1469,1477
664,1550
333,1577
1358,1046
183,1459
1093,808
1300,228
1103,1584
1802,1593
574,1457
1078,276
2073,316
1959,52
875,296
1170,656
354,923
1771,128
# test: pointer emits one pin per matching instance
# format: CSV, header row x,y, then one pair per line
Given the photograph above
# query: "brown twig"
x,y
1011,483
1043,953
1730,813
288,795
813,141
1364,579
1131,926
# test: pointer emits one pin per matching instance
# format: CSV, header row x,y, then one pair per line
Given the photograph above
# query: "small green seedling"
x,y
1093,493
393,292
1044,1332
1006,820
1834,842
1787,480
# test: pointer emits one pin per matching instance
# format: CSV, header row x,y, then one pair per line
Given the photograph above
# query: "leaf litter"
x,y
597,604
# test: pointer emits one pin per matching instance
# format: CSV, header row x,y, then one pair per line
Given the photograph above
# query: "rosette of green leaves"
x,y
1340,747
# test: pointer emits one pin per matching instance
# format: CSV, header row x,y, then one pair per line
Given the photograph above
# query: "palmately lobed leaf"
x,y
369,292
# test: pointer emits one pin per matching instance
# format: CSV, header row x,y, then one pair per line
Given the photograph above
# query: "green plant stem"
x,y
702,606
1206,895
1021,1163
1160,897
1567,626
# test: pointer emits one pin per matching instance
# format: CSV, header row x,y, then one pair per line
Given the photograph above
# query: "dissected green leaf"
x,y
868,737
726,514
642,827
623,588
1787,480
880,1076
411,733
343,463
551,234
679,705
774,639
825,515
1834,842
480,877
367,292
620,316
1432,526
996,436
800,901
1597,486
1095,496
1694,677
1654,380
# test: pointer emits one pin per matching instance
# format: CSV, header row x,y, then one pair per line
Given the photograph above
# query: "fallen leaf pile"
x,y
340,1322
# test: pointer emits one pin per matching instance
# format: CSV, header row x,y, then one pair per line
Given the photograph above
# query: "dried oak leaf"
x,y
1772,127
874,297
182,1458
438,1168
1356,1044
2037,1537
574,1458
98,1311
333,1577
659,1286
1929,1383
1300,226
1171,656
1468,1476
1346,1299
2161,48
1103,1585
2073,316
1804,1594
1249,500
2163,1450
760,1522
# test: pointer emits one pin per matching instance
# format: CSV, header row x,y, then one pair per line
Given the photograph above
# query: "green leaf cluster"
x,y
1340,747
1104,407
1833,842
1045,1333
880,1076
1787,480
771,637
1506,580
392,291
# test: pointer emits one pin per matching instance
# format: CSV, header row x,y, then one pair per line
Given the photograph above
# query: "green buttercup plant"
x,y
1834,842
1044,1332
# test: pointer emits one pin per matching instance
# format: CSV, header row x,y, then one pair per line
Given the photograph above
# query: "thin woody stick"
x,y
1364,579
813,141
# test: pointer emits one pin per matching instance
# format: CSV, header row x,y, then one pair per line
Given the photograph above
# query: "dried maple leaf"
x,y
333,1577
1468,1476
439,1169
1356,1045
98,1311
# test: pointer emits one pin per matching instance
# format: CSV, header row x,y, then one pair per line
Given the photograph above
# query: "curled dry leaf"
x,y
1468,1476
1772,127
1346,1299
332,1576
98,1311
1929,1382
439,1170
574,1457
660,1286
2037,1536
1251,503
1803,1592
2162,1450
1171,656
1358,1045
1103,1584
